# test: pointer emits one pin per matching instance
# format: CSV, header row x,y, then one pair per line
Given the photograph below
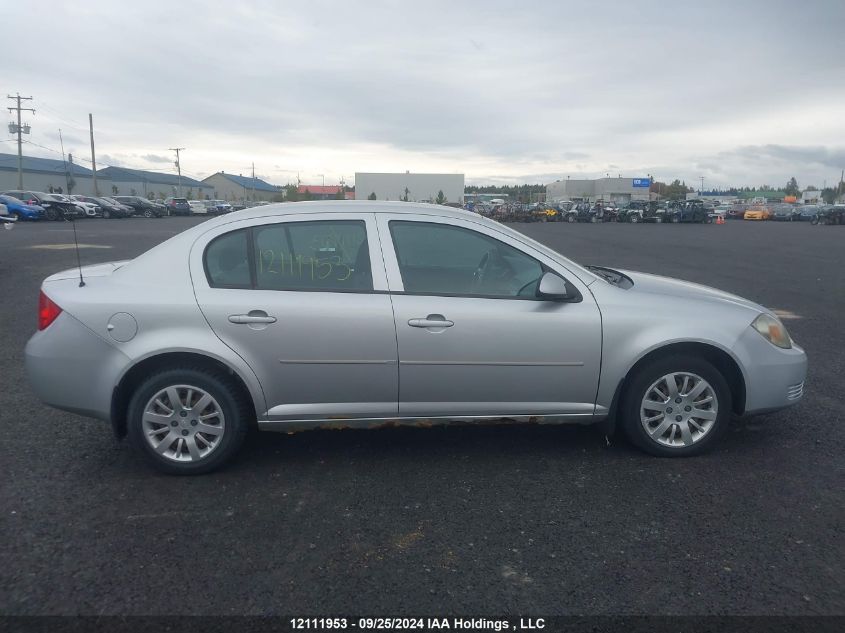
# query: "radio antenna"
x,y
78,261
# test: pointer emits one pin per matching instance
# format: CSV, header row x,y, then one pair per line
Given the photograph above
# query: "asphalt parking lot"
x,y
465,520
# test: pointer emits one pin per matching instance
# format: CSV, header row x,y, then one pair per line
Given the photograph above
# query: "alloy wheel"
x,y
679,409
183,423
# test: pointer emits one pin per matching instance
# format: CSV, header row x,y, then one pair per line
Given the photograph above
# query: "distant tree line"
x,y
518,193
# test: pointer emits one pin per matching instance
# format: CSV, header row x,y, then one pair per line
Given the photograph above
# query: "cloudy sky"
x,y
740,92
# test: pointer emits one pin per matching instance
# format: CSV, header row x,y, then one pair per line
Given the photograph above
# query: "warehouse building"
x,y
413,187
242,188
45,174
618,190
120,181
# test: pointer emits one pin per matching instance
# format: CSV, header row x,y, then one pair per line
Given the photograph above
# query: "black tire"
x,y
634,218
645,376
570,218
220,387
106,214
148,213
50,213
18,215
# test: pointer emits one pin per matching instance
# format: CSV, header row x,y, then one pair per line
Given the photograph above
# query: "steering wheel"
x,y
483,269
492,266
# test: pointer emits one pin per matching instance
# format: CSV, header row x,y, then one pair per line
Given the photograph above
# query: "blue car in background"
x,y
21,210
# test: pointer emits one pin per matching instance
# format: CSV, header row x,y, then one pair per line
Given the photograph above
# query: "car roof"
x,y
356,206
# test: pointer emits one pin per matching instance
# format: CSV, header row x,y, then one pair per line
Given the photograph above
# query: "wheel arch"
x,y
134,375
716,356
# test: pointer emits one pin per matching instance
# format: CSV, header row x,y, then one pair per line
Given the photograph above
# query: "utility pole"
x,y
253,181
70,181
20,129
178,166
93,157
701,191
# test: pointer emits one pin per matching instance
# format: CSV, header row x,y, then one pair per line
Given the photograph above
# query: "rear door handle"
x,y
255,316
432,320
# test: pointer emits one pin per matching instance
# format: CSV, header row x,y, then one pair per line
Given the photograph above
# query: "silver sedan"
x,y
362,314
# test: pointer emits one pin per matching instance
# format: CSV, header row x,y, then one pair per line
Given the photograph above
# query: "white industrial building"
x,y
416,187
605,189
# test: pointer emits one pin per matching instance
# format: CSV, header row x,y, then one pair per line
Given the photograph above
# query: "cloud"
x,y
491,88
156,158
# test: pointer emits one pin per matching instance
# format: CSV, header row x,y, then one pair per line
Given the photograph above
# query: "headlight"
x,y
772,330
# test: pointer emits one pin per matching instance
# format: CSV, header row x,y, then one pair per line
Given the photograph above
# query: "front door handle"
x,y
256,316
432,320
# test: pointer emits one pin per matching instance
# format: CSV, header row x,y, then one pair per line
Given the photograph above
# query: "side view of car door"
x,y
303,300
474,339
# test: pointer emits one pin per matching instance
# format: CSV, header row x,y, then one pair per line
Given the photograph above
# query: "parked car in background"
x,y
89,210
198,207
79,210
129,211
54,207
758,212
580,212
736,211
222,206
639,211
214,331
142,206
20,210
830,214
108,208
694,211
5,219
808,213
177,206
785,212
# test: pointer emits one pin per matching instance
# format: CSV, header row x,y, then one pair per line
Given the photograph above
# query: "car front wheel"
x,y
676,406
187,421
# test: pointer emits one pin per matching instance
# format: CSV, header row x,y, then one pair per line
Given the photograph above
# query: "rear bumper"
x,y
71,368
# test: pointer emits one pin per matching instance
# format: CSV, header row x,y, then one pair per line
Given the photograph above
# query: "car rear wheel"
x,y
570,218
676,406
51,214
187,421
106,214
635,218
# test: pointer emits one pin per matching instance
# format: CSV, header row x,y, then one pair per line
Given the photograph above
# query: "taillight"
x,y
47,311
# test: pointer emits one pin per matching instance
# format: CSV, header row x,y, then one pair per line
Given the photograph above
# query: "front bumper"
x,y
774,377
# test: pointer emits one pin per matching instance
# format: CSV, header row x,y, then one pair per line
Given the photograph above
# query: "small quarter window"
x,y
227,261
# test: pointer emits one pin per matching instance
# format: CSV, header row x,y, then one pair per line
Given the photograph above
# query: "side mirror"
x,y
554,288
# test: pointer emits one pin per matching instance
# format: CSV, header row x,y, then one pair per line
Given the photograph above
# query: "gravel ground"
x,y
482,520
